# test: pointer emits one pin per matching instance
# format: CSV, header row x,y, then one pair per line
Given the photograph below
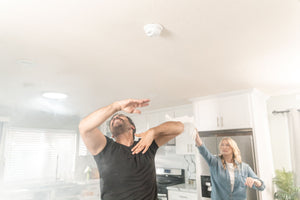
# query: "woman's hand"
x,y
250,181
145,142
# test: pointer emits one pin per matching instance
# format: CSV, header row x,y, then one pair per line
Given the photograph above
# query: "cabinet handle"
x,y
217,121
221,119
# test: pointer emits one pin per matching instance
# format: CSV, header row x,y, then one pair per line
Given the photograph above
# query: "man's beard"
x,y
118,130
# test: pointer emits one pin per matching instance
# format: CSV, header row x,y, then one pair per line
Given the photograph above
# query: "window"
x,y
34,155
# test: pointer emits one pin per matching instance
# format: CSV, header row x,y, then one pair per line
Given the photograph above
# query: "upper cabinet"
x,y
226,112
184,142
235,112
206,113
179,113
140,121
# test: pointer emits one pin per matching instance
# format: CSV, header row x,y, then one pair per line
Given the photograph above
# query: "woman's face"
x,y
225,148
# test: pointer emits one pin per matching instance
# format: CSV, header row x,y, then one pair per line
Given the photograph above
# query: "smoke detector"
x,y
153,30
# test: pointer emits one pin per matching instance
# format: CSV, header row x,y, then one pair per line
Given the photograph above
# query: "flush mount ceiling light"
x,y
54,95
152,30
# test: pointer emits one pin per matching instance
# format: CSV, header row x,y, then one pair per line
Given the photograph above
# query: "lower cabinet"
x,y
180,195
91,192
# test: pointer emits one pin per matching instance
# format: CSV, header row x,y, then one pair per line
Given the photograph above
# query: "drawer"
x,y
179,195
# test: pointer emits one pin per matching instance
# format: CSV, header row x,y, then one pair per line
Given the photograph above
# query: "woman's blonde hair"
x,y
235,149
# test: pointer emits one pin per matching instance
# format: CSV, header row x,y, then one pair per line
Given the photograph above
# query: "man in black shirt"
x,y
126,167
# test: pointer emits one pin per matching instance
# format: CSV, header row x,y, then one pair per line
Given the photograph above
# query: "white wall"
x,y
280,139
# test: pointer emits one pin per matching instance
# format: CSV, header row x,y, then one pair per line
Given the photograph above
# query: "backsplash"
x,y
166,157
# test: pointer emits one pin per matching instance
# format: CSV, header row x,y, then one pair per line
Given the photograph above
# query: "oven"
x,y
166,177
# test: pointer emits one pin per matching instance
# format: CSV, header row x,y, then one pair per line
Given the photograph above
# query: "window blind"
x,y
32,154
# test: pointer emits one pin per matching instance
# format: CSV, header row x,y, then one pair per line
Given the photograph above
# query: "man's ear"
x,y
133,129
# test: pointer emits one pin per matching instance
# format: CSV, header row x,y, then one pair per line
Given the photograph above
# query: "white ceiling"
x,y
96,51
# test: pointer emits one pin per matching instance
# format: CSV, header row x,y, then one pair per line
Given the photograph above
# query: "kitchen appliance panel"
x,y
206,186
167,177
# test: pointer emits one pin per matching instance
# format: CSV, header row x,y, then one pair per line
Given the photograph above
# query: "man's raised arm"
x,y
161,134
88,127
93,138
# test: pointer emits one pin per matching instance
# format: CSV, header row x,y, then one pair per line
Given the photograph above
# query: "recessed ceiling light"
x,y
54,95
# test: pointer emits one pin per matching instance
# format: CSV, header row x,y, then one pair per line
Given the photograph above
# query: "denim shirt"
x,y
220,179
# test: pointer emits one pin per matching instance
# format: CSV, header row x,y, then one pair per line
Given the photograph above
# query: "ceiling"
x,y
96,52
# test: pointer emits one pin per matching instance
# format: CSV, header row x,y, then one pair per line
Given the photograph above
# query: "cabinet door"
x,y
178,195
184,142
235,112
184,111
153,119
206,114
140,122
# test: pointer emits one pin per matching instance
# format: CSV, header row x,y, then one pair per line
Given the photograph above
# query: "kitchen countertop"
x,y
57,189
183,187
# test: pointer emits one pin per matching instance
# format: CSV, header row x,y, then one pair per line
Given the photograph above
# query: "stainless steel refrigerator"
x,y
211,139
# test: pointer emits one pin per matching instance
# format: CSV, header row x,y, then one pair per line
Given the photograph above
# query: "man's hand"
x,y
145,142
130,105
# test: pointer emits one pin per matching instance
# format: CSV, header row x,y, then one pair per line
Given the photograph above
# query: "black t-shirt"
x,y
124,176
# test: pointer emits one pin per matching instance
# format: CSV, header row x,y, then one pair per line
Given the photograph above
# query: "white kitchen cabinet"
x,y
227,112
180,195
186,110
235,112
159,117
154,118
140,122
206,114
148,120
184,142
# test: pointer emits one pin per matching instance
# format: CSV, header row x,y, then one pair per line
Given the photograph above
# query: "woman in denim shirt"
x,y
230,177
